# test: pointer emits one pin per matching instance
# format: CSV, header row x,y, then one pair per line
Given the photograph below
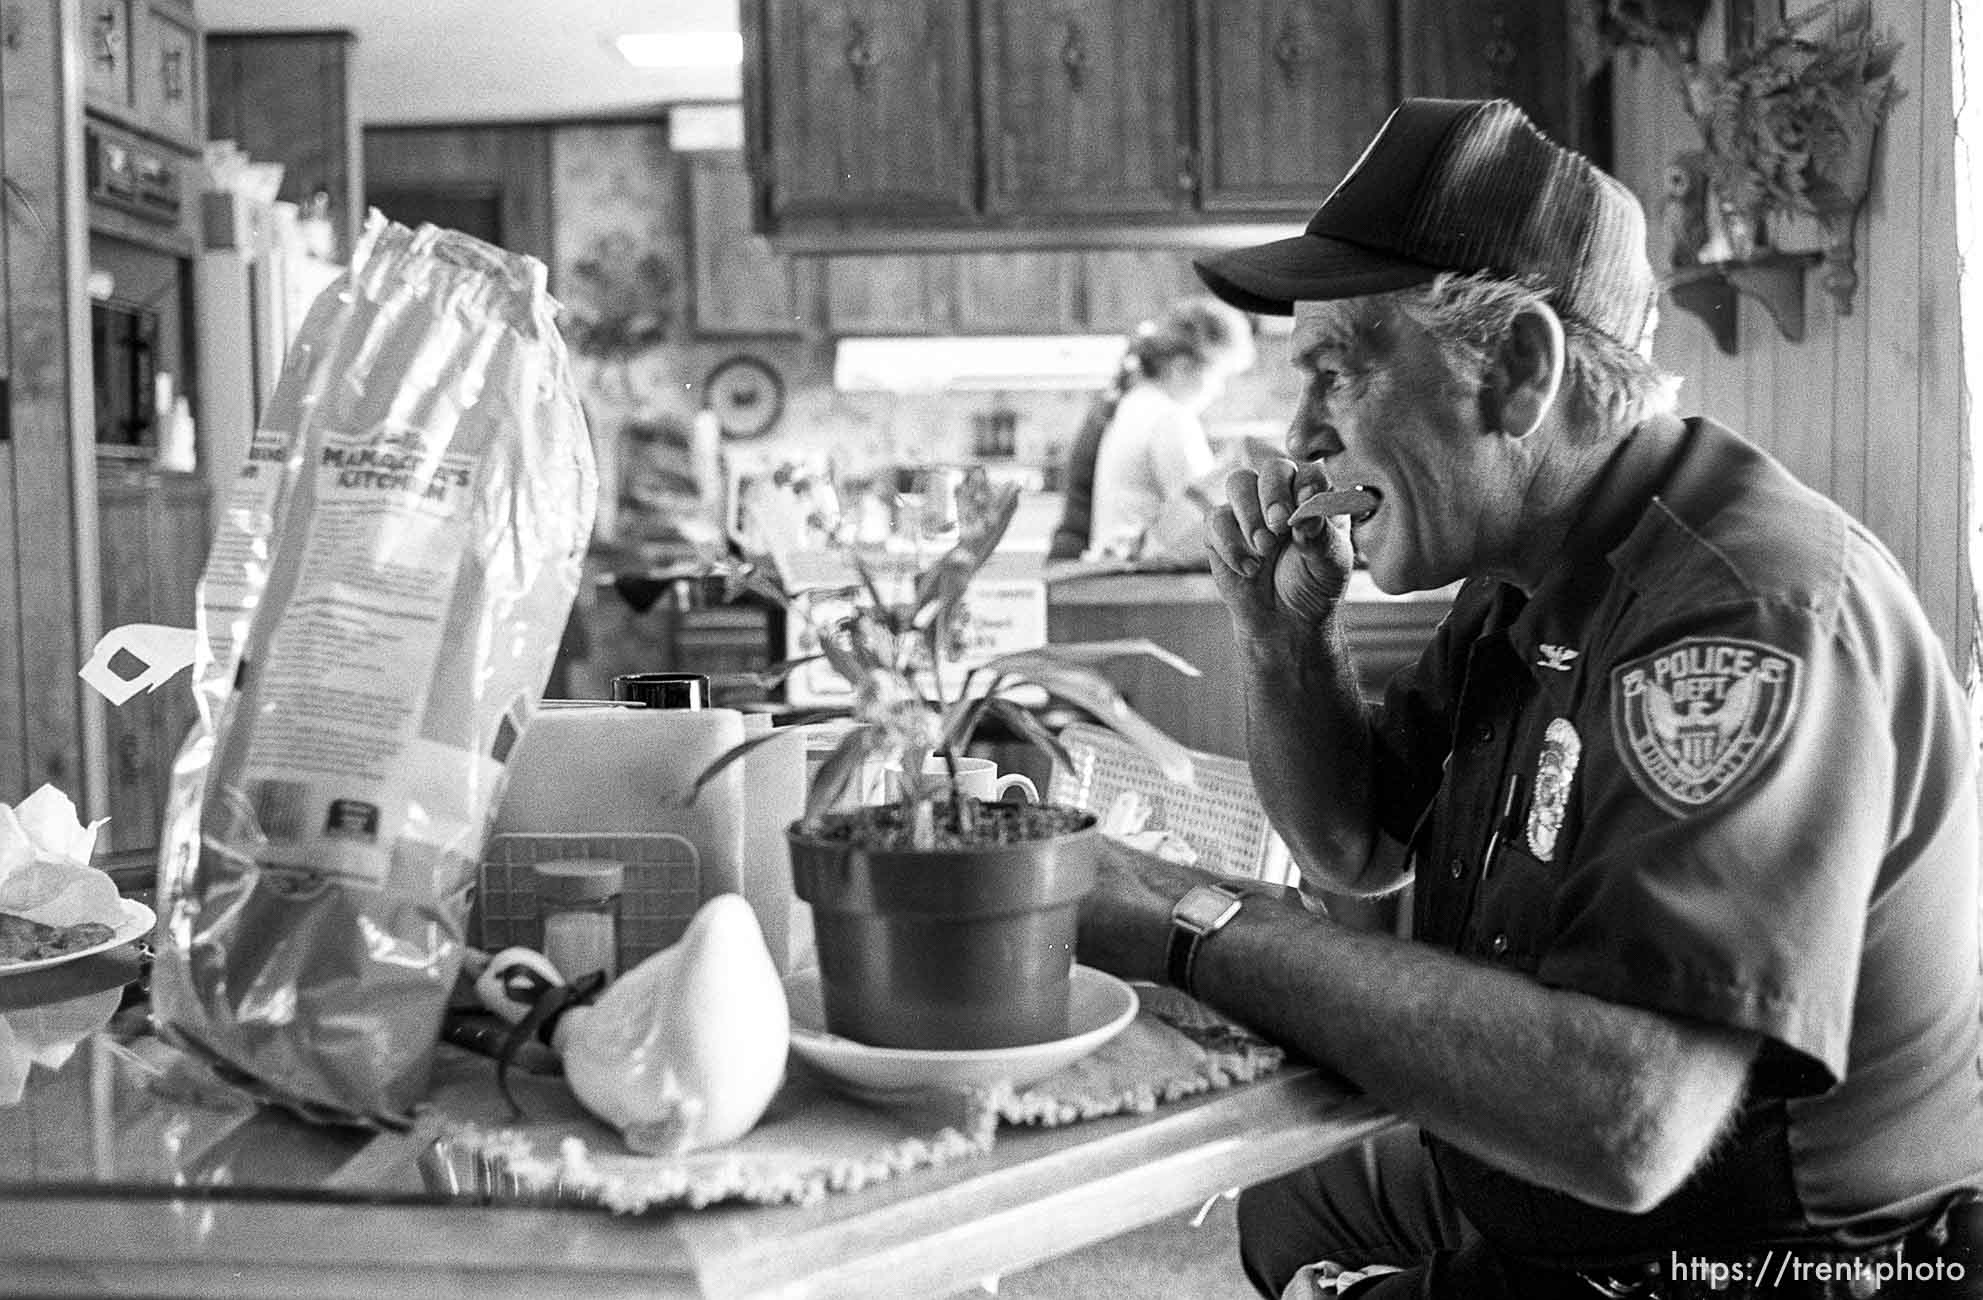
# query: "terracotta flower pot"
x,y
949,948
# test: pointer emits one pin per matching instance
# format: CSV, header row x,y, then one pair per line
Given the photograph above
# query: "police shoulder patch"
x,y
1693,720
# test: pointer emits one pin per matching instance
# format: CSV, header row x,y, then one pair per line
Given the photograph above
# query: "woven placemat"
x,y
814,1140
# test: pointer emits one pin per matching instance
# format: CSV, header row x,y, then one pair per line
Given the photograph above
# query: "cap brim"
x,y
1271,278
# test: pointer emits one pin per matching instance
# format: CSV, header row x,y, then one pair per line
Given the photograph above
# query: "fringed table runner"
x,y
815,1140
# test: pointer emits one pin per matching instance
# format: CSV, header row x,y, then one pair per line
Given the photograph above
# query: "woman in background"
x,y
1141,468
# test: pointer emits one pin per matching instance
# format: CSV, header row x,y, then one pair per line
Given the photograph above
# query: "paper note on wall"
x,y
138,657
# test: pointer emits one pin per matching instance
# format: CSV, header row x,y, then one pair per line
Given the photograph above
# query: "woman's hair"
x,y
1469,314
1202,330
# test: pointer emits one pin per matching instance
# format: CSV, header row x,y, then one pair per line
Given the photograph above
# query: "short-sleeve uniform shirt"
x,y
1716,766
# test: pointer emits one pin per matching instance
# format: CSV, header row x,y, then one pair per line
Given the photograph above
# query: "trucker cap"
x,y
1461,185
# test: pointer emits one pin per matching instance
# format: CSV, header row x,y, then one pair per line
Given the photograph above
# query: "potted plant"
x,y
941,921
1787,127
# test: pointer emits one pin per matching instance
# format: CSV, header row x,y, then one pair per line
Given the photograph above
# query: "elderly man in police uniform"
x,y
1685,782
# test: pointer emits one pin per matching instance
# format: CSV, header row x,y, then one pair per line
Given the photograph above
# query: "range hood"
x,y
987,363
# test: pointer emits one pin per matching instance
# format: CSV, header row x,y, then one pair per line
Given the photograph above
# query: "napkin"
x,y
815,1141
45,874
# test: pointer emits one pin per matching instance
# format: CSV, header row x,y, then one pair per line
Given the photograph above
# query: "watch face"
x,y
1205,908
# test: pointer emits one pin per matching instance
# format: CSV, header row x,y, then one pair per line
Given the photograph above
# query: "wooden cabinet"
x,y
865,110
1290,91
1018,292
1070,124
108,83
143,67
1120,287
1522,50
493,181
286,97
152,538
171,89
1109,77
1062,124
890,294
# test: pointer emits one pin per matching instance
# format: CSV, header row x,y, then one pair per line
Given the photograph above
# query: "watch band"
x,y
1202,912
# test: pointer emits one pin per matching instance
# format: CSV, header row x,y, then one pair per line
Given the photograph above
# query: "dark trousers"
x,y
1383,1203
1378,1203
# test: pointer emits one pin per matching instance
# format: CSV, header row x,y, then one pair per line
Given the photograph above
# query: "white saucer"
x,y
1100,1006
134,921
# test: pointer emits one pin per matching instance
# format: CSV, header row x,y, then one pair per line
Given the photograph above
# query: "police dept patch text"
x,y
1693,719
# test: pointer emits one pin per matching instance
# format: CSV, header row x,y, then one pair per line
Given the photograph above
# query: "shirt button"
x,y
1498,945
1483,733
1456,868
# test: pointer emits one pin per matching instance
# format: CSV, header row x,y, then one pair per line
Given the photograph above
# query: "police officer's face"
x,y
1384,408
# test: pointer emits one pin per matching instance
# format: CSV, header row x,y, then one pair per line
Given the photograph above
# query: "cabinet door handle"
x,y
1074,56
860,53
107,42
1290,51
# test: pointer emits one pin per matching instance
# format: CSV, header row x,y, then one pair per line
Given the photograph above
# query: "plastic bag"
x,y
384,599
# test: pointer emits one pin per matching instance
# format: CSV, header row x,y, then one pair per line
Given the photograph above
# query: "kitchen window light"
x,y
681,49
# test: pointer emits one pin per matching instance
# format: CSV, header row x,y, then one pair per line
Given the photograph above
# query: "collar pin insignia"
x,y
1558,657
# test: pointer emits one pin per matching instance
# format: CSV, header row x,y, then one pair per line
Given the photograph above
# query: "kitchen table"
x,y
115,1179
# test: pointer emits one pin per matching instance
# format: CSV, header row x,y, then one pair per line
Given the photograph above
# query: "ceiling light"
x,y
681,49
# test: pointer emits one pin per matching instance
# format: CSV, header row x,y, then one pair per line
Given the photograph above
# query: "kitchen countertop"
x,y
1182,613
1077,583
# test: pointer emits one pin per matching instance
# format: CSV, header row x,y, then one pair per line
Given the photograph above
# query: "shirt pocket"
x,y
1516,904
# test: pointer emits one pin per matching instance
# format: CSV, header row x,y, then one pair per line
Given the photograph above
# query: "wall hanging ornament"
x,y
1787,126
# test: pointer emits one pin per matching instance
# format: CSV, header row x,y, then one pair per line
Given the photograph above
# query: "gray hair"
x,y
1469,314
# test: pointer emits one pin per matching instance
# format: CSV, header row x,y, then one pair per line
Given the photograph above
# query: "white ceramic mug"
x,y
977,777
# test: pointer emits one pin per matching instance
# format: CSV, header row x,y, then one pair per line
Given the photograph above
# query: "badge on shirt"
x,y
1555,773
1692,720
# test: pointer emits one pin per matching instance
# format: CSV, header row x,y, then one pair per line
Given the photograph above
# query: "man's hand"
x,y
1275,577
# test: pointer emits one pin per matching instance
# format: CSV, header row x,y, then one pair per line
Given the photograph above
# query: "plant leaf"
x,y
840,768
1029,727
882,609
939,588
726,759
1095,652
1095,693
774,675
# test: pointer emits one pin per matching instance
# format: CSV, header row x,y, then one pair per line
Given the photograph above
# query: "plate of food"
x,y
1100,1006
27,945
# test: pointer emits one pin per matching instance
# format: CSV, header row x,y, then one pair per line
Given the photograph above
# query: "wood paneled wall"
x,y
50,725
1868,407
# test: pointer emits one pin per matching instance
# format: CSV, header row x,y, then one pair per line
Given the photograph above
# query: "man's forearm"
x,y
1634,1098
1308,740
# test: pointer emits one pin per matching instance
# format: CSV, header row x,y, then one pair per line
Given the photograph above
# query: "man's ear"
x,y
1524,374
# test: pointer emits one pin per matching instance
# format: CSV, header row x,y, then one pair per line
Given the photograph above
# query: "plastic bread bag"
x,y
388,585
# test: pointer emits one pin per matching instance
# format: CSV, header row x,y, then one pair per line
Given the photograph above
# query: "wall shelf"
x,y
1712,290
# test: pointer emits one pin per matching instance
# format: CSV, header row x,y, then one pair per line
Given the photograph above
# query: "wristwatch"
x,y
1202,912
